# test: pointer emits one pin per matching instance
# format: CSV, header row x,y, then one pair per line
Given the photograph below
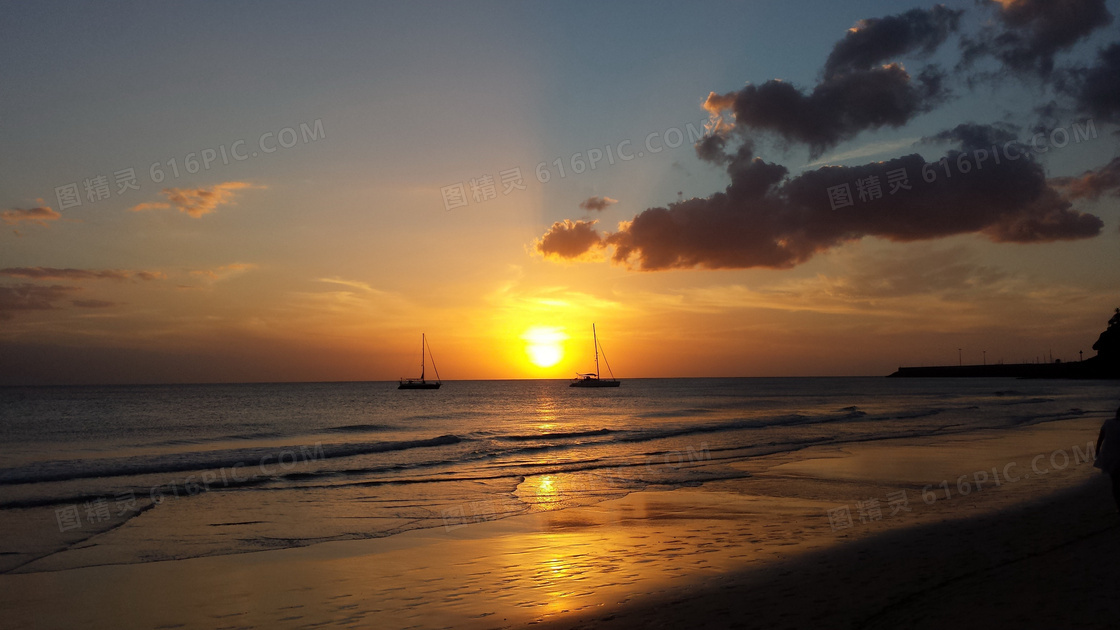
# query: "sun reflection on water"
x,y
547,493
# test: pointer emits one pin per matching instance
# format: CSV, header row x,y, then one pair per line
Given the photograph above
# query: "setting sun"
x,y
382,261
544,345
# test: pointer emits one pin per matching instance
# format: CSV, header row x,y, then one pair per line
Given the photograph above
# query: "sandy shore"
x,y
770,550
1050,563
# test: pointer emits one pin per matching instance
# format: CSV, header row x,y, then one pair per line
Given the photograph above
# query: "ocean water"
x,y
95,475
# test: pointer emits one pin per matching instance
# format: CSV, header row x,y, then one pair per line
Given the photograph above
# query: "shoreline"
x,y
1042,572
613,564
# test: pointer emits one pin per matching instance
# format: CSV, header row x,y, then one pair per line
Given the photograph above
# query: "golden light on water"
x,y
544,345
545,487
547,493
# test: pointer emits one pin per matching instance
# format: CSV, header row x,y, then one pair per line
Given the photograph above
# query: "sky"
x,y
281,191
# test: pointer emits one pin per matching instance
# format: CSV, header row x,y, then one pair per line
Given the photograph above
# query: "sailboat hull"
x,y
595,382
418,385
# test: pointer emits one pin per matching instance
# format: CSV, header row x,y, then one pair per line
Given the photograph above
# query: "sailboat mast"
x,y
595,340
423,343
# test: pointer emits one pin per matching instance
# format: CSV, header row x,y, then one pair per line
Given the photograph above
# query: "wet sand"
x,y
754,552
1050,563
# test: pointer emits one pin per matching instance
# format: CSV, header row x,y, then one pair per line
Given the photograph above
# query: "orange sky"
x,y
328,247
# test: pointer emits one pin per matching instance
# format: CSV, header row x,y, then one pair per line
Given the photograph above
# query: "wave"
x,y
67,470
262,435
919,413
676,413
793,419
1027,401
558,435
358,428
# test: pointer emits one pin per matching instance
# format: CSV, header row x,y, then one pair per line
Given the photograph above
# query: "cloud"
x,y
353,284
153,205
223,272
764,219
597,203
1098,92
1029,33
923,271
92,303
712,148
52,273
31,297
976,136
876,40
355,293
715,105
866,151
196,201
858,90
837,109
569,239
40,215
1092,184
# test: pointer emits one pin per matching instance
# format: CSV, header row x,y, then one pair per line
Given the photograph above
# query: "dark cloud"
x,y
597,203
876,40
1050,116
988,184
764,219
569,239
52,273
1029,33
92,303
858,91
31,297
1092,184
712,148
839,107
1098,94
974,136
40,215
752,176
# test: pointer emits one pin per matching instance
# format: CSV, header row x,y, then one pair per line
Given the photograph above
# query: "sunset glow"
x,y
544,346
567,315
306,235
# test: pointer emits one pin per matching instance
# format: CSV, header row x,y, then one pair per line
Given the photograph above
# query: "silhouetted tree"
x,y
1108,344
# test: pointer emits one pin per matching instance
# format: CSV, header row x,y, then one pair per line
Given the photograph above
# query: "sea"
x,y
124,474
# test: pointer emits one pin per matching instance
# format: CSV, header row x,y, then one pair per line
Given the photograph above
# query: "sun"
x,y
544,345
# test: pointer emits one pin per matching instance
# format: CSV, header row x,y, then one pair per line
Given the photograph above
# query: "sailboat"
x,y
420,383
593,380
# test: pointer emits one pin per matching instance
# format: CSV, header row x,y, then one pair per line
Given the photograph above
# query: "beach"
x,y
501,315
1028,556
767,549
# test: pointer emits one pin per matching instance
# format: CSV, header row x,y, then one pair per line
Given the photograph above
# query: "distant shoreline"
x,y
1088,369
